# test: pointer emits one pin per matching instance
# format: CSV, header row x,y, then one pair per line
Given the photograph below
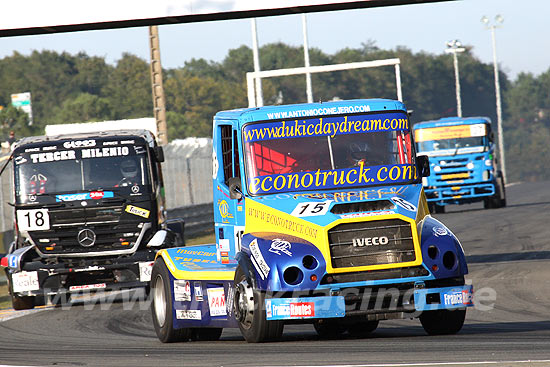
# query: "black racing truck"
x,y
89,215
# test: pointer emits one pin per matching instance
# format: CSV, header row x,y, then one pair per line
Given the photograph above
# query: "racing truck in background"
x,y
87,206
320,218
463,164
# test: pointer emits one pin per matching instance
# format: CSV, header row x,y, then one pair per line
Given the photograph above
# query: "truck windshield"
x,y
72,170
451,140
328,152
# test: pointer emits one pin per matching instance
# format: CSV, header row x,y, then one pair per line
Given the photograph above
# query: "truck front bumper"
x,y
459,194
389,303
37,278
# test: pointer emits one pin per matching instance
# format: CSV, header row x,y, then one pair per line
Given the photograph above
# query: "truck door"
x,y
228,211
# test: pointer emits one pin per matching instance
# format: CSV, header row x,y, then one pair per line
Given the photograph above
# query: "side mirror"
x,y
423,165
159,154
235,191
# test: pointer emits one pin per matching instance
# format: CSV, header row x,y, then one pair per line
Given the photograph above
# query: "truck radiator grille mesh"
x,y
378,242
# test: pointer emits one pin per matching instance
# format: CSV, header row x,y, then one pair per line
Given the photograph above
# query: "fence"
x,y
187,172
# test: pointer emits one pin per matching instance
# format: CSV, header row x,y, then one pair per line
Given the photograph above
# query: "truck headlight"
x,y
437,169
489,162
486,175
425,181
470,165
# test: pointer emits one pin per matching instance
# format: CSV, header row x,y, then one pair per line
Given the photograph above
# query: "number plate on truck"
x,y
33,220
25,281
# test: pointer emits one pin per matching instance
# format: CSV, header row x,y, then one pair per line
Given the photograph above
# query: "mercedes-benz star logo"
x,y
86,237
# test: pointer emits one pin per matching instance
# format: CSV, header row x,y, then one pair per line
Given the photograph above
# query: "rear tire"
x,y
329,328
362,329
22,303
442,322
250,312
162,306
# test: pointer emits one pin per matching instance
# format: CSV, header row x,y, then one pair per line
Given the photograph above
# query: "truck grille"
x,y
109,232
387,241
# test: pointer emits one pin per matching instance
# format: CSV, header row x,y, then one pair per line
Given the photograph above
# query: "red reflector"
x,y
435,267
4,262
313,277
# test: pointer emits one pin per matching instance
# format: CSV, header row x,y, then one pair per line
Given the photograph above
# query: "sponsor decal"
x,y
258,260
182,290
135,210
404,203
25,281
308,209
216,301
145,269
63,155
105,152
368,214
332,179
463,297
79,143
292,309
197,288
229,302
279,246
370,241
440,231
87,287
94,195
198,253
262,218
188,315
224,211
326,126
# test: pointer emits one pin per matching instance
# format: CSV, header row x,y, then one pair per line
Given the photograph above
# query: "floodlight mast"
x,y
498,20
454,47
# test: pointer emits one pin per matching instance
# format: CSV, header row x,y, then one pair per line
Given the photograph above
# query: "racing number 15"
x,y
33,220
311,208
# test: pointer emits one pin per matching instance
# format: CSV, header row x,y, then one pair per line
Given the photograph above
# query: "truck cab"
x,y
463,163
86,208
320,218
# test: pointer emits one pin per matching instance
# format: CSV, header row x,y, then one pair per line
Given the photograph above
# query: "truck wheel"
x,y
498,200
250,312
362,329
22,303
206,334
442,322
329,328
162,306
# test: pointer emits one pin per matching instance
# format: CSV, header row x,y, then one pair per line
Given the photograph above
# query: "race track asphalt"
x,y
508,252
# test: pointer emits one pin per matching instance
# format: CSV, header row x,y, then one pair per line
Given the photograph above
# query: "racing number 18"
x,y
33,220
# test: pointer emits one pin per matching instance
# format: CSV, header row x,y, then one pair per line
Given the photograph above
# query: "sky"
x,y
523,42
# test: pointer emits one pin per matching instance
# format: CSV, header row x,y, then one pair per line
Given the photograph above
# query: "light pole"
x,y
498,20
453,47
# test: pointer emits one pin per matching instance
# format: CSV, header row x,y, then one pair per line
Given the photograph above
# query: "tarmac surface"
x,y
508,252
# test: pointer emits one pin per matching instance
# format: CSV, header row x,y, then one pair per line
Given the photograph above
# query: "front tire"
x,y
250,312
443,322
162,306
22,303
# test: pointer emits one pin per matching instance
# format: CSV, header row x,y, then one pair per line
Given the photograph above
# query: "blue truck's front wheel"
x,y
250,312
443,322
162,306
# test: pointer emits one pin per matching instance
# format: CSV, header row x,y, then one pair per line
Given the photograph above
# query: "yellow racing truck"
x,y
320,218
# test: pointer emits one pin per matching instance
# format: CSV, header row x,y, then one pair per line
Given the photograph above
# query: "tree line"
x,y
69,88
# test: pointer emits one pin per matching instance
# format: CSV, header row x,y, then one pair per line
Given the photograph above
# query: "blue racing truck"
x,y
320,218
463,165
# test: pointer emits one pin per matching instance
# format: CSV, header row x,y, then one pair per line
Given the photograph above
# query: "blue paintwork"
x,y
268,262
